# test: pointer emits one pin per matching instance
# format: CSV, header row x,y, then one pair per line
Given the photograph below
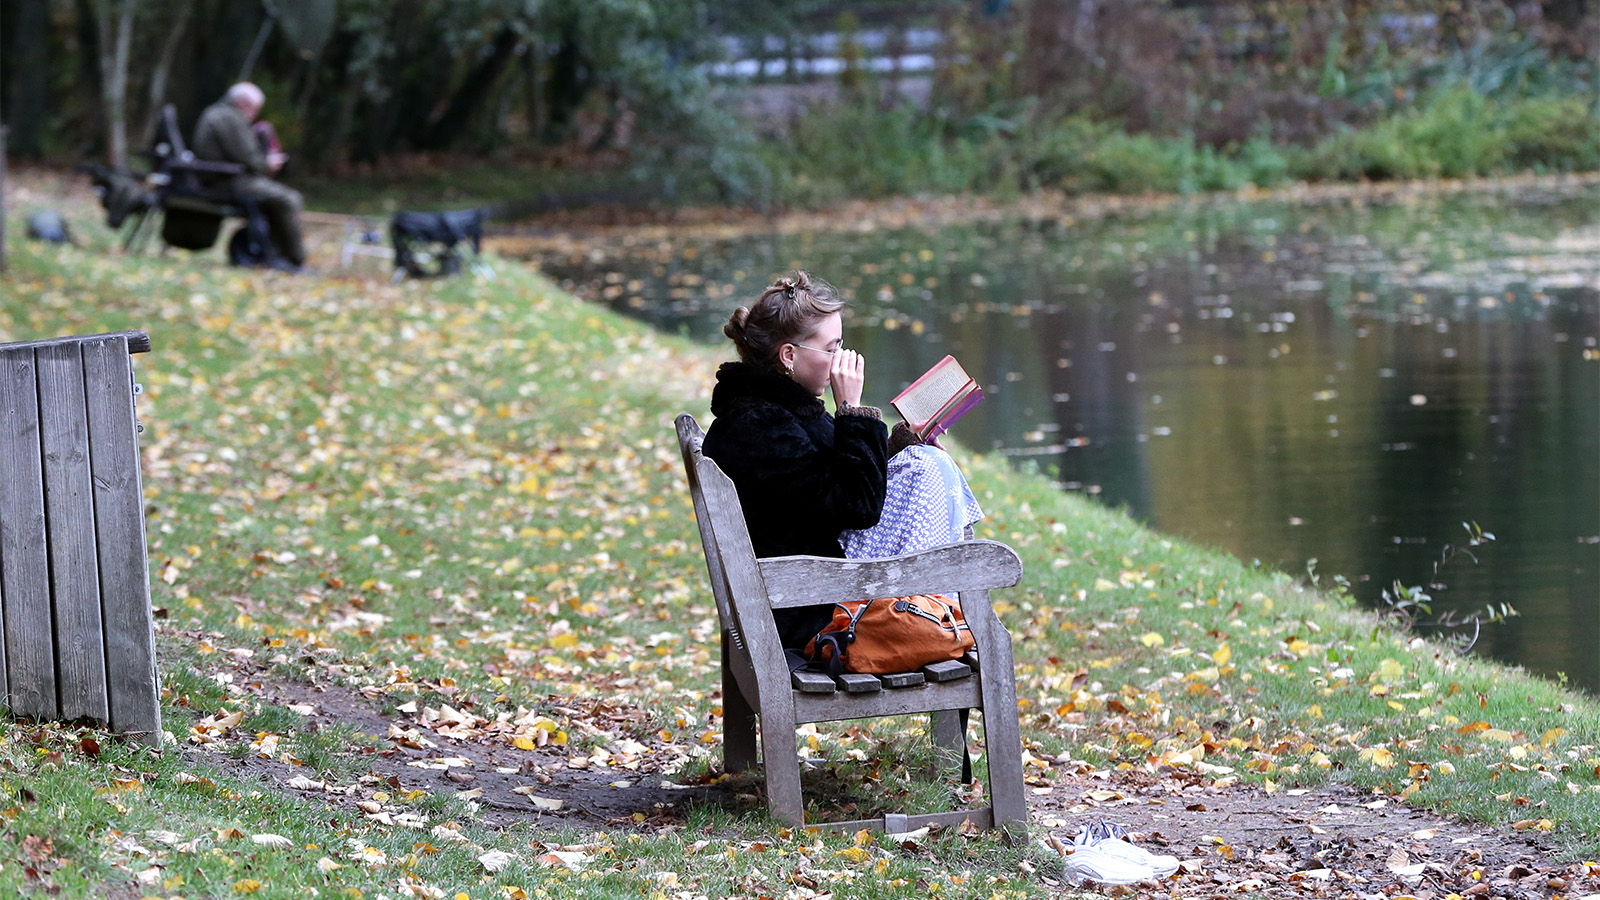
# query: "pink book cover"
x,y
938,398
942,423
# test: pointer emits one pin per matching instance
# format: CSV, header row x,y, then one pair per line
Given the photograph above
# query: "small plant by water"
x,y
1412,605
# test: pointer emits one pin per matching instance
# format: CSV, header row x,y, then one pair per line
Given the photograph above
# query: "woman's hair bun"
x,y
735,327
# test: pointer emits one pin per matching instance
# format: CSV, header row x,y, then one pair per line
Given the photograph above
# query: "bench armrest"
x,y
964,566
205,167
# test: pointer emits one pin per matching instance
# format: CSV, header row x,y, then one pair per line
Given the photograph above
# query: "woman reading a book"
x,y
805,478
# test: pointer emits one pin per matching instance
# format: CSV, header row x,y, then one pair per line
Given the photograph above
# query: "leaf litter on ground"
x,y
428,586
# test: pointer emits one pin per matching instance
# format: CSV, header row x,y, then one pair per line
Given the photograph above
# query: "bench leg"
x,y
1002,739
738,723
949,734
783,769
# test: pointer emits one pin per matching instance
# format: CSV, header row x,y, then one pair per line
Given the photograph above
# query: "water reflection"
x,y
1345,382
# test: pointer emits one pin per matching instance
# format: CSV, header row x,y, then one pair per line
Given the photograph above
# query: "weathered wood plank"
x,y
968,566
856,683
921,698
24,558
133,687
138,341
811,682
946,670
903,679
69,522
1002,733
895,823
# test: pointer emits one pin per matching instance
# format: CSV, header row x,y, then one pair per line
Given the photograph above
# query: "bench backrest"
x,y
78,641
734,572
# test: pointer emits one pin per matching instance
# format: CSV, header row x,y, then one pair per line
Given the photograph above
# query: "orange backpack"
x,y
893,634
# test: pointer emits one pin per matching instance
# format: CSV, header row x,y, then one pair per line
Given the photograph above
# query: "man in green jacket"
x,y
224,134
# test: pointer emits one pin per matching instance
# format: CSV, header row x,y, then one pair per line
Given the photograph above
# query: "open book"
x,y
936,400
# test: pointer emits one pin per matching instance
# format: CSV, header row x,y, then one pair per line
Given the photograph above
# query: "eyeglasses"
x,y
821,350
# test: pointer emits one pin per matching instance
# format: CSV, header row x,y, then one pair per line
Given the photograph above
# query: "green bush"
x,y
1554,133
859,150
1459,133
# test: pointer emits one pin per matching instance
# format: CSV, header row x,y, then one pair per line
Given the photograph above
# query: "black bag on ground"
x,y
421,238
189,229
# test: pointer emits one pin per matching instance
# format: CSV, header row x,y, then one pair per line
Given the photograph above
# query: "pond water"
x,y
1348,381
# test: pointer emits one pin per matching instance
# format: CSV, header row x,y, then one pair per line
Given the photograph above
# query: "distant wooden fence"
x,y
79,642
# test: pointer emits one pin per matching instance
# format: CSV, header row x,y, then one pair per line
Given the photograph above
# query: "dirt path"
x,y
1326,841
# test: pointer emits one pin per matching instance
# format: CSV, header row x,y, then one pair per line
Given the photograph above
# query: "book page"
x,y
919,402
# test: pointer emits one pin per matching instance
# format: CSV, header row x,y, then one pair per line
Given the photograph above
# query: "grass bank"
x,y
466,496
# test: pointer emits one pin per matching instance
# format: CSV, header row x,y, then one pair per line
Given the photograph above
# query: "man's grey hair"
x,y
245,92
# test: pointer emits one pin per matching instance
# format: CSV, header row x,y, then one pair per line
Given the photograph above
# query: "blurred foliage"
x,y
1018,94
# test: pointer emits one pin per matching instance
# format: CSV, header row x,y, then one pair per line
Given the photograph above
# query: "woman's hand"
x,y
847,376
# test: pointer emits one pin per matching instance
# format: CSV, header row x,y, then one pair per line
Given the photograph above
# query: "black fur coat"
x,y
803,476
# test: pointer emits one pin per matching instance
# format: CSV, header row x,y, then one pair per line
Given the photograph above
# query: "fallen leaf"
x,y
495,860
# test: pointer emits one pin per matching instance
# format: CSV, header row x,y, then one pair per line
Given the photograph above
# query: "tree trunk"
x,y
2,199
163,69
25,72
114,78
477,88
565,89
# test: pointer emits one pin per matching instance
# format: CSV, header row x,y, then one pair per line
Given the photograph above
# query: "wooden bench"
x,y
78,640
183,182
756,681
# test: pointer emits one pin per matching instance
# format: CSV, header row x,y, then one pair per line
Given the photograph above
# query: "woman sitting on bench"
x,y
808,480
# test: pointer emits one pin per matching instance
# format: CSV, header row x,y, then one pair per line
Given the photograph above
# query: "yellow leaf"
x,y
1379,757
1223,654
1151,639
1551,736
564,641
524,743
247,885
853,854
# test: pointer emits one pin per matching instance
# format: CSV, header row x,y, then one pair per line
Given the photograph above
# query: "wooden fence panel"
x,y
133,688
24,558
69,518
76,636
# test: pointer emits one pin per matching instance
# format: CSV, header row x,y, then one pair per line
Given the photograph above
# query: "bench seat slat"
x,y
921,698
812,682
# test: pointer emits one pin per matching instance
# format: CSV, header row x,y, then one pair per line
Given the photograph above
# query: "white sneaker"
x,y
1094,863
1161,864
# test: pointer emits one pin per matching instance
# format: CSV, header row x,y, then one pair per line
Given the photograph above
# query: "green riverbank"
x,y
462,501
